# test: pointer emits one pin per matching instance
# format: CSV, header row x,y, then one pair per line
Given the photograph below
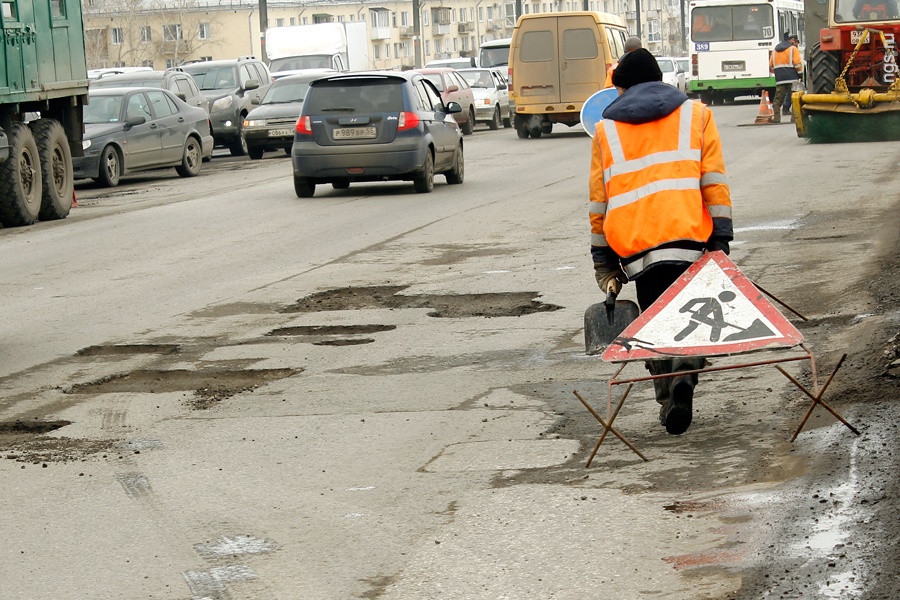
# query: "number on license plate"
x,y
280,133
354,133
734,65
855,35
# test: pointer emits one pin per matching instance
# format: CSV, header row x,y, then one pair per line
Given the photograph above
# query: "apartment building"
x,y
166,33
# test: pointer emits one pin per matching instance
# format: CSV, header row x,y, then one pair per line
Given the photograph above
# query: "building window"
x,y
481,13
117,37
424,18
279,22
171,62
455,44
206,31
340,18
427,47
147,63
146,34
305,20
57,9
394,19
490,13
172,33
293,20
376,51
396,50
437,46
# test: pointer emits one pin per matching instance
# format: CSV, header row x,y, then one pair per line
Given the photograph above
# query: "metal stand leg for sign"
x,y
816,394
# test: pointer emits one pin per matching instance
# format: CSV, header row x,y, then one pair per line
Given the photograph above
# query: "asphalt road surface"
x,y
213,389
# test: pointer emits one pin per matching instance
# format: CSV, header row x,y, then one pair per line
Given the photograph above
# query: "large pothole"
x,y
501,304
178,380
128,349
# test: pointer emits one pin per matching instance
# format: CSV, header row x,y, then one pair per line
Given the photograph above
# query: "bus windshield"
x,y
732,23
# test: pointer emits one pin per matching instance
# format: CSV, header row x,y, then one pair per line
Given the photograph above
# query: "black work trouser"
x,y
649,286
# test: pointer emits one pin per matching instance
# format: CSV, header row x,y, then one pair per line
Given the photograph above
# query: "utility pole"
x,y
417,34
263,25
637,15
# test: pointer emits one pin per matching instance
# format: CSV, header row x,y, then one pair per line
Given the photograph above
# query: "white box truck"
x,y
337,46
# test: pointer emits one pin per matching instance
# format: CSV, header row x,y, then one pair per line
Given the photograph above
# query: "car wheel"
x,y
255,153
287,150
507,122
535,133
191,161
424,180
303,187
457,174
239,144
110,167
469,126
20,179
495,119
341,184
56,169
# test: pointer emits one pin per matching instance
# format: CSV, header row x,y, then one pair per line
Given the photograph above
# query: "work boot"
x,y
776,118
786,111
679,409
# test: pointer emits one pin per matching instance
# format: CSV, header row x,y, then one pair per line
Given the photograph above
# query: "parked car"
x,y
270,126
461,62
491,96
671,72
453,88
175,80
136,129
230,86
375,126
94,74
684,63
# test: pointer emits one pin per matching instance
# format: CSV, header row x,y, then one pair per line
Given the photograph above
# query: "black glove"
x,y
718,244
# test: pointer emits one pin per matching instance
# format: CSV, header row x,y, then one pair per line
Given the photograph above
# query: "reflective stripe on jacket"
x,y
786,64
658,189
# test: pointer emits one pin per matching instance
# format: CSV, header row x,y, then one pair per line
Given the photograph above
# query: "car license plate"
x,y
855,35
353,133
734,65
281,133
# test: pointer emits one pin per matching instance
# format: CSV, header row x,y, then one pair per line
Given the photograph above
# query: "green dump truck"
x,y
43,89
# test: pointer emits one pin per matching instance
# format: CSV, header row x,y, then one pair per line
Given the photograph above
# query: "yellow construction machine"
x,y
853,91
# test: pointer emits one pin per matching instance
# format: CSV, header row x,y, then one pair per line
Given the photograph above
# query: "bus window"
x,y
732,23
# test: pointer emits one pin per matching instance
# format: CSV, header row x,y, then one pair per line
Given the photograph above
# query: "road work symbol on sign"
x,y
711,310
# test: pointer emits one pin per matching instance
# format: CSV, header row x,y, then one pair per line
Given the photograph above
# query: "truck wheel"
x,y
20,179
190,161
57,179
494,124
424,180
110,167
824,70
507,122
303,187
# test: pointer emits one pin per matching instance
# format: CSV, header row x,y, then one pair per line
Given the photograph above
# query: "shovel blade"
x,y
600,330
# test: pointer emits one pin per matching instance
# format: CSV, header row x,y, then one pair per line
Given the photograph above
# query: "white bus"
x,y
731,40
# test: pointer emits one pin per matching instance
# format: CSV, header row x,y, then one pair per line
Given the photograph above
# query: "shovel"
x,y
604,321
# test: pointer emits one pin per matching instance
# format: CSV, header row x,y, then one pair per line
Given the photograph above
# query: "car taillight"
x,y
694,67
509,77
408,120
303,126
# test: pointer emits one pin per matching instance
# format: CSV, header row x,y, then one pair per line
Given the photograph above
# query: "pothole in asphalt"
x,y
128,349
312,330
503,304
30,427
179,380
452,254
346,342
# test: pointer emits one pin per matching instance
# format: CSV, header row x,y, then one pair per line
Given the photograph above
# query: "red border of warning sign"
x,y
621,350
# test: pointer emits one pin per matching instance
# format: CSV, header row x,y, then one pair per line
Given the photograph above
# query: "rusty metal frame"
x,y
815,394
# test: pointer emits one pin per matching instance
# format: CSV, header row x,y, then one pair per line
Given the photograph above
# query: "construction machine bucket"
x,y
864,116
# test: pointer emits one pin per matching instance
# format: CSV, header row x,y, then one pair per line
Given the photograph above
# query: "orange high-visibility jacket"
x,y
786,64
658,190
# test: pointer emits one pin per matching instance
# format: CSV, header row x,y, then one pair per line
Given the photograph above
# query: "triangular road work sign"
x,y
711,310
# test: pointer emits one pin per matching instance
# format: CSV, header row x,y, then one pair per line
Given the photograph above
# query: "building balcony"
x,y
466,27
407,32
631,15
440,29
380,33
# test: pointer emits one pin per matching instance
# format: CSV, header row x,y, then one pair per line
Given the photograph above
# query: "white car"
x,y
491,96
671,73
684,63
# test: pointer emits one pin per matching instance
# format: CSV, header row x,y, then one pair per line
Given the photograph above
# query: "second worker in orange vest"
x,y
658,200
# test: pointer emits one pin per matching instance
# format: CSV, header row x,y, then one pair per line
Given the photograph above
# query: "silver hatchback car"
x,y
375,126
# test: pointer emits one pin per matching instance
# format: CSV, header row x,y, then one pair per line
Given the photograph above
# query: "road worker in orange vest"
x,y
631,44
658,200
786,65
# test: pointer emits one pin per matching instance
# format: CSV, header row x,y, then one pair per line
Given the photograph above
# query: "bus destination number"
x,y
701,46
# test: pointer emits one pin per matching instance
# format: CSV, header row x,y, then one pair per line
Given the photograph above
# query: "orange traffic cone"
x,y
765,109
74,199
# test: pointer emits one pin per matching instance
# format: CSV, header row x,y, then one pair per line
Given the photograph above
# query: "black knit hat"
x,y
638,66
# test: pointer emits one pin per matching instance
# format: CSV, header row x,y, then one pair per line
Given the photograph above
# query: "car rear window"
x,y
290,91
213,78
359,95
436,79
